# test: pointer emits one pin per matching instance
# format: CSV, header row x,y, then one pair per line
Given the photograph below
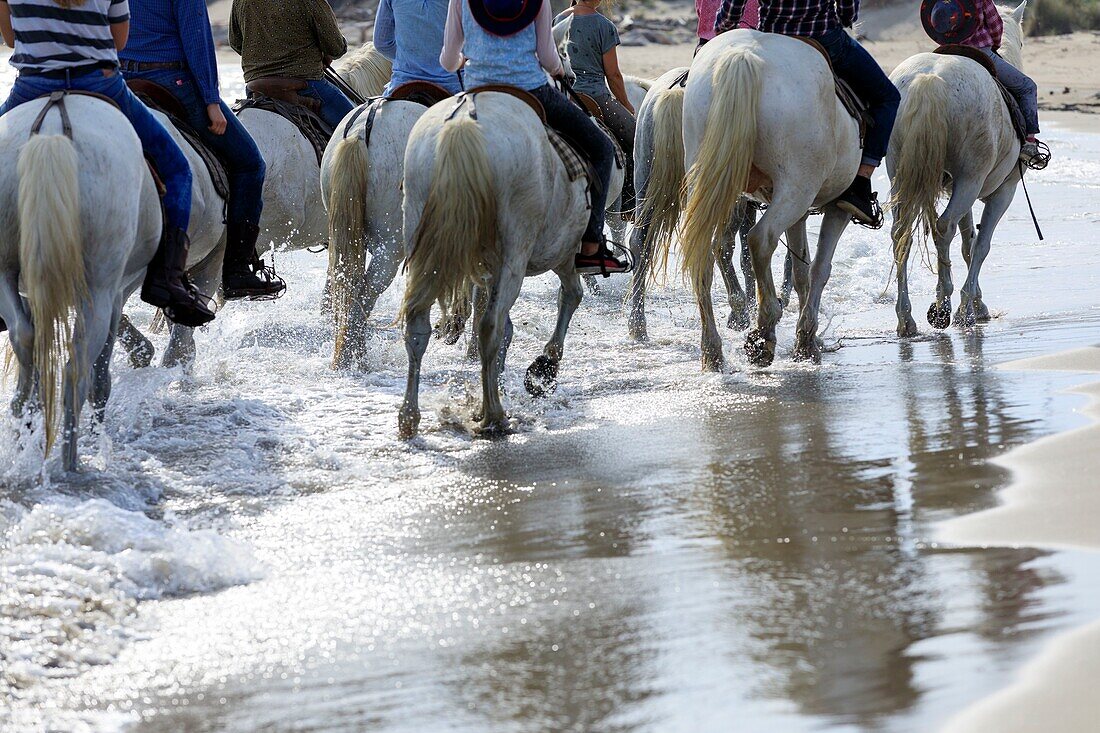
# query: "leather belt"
x,y
151,65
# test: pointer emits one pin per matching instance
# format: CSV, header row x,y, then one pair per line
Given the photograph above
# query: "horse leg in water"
x,y
971,293
800,262
967,231
21,334
907,327
542,375
453,324
480,299
386,257
963,197
138,347
492,336
89,341
643,255
832,226
101,372
418,331
739,315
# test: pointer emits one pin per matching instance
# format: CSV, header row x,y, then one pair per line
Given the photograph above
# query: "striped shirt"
x,y
792,17
49,37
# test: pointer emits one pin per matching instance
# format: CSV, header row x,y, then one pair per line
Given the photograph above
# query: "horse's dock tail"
x,y
721,170
921,140
347,253
660,207
51,262
455,242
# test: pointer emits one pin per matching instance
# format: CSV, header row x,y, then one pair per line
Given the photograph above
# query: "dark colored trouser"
x,y
622,126
155,140
244,165
854,65
334,105
568,119
1021,86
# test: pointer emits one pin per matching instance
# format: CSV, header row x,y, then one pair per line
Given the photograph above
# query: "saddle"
x,y
280,95
157,97
852,102
420,92
1014,112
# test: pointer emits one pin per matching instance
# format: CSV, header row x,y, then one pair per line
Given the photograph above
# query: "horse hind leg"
x,y
806,340
971,309
963,196
101,374
739,315
967,231
418,331
21,336
542,375
492,335
89,341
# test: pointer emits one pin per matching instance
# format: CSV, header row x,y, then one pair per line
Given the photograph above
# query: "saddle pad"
x,y
312,127
575,165
213,163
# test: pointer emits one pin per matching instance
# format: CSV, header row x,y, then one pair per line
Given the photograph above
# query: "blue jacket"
x,y
175,30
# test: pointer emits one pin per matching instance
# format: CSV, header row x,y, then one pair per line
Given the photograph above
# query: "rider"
x,y
707,11
511,42
987,39
75,46
291,38
590,42
410,34
171,44
825,21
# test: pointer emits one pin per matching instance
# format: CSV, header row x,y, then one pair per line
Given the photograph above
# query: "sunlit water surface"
x,y
250,547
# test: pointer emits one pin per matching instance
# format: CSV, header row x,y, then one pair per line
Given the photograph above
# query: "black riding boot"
x,y
244,275
166,285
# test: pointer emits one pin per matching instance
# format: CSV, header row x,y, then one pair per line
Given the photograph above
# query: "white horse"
x,y
487,201
658,170
294,212
795,147
953,134
80,221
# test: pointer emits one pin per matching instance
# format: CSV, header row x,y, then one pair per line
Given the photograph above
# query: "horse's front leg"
x,y
710,343
833,225
971,309
418,331
967,231
138,347
642,250
963,196
542,375
89,341
492,336
739,316
907,327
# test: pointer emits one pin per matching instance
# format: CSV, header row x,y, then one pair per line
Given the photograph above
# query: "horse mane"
x,y
366,70
645,84
1012,39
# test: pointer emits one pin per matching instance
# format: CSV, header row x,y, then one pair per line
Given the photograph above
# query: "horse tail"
x,y
661,205
51,261
347,253
922,153
455,242
721,170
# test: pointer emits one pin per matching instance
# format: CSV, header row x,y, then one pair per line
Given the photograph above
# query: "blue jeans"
x,y
1020,86
155,140
334,105
244,165
854,65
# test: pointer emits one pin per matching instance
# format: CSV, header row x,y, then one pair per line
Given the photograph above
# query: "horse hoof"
x,y
907,329
542,377
939,316
964,317
981,312
142,356
593,284
738,320
408,423
807,351
491,429
761,351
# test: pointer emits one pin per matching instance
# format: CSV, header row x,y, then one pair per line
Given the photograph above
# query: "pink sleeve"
x,y
750,16
707,10
545,48
994,24
450,58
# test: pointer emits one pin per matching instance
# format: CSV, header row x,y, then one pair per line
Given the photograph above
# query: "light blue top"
x,y
410,34
496,60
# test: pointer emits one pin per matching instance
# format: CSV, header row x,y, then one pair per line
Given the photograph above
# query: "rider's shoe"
x,y
166,285
1029,150
860,202
601,263
1035,154
244,275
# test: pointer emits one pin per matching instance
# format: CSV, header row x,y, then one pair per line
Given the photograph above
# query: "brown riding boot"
x,y
166,285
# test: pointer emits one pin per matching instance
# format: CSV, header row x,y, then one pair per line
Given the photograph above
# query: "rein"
x,y
1027,196
338,81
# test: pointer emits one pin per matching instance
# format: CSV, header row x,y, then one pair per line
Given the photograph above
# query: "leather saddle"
x,y
285,89
280,95
852,102
162,100
1014,112
420,92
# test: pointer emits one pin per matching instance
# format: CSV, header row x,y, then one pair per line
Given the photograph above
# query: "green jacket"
x,y
284,37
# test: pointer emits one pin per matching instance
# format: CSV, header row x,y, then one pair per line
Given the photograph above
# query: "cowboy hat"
x,y
504,17
949,21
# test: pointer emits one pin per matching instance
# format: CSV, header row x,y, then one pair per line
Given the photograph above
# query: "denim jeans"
x,y
334,105
155,140
854,65
573,123
245,166
622,125
1021,86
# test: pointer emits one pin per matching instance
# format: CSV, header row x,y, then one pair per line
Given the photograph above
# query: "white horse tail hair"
x,y
661,205
455,242
721,170
347,254
51,261
918,174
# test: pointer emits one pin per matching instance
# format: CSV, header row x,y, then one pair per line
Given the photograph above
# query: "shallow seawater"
x,y
250,547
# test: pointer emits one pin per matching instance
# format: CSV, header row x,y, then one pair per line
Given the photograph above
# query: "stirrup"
x,y
1041,159
268,275
877,218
